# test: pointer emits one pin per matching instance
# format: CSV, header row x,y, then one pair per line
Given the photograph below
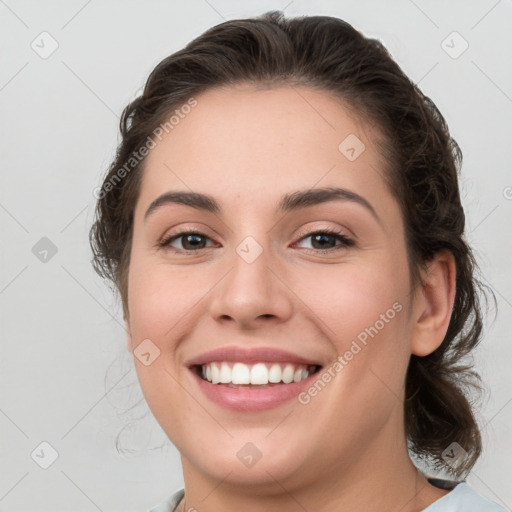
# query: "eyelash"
x,y
345,241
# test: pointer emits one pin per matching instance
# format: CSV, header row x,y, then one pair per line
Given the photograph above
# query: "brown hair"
x,y
423,161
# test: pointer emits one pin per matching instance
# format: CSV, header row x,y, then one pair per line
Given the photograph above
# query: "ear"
x,y
433,304
127,332
128,341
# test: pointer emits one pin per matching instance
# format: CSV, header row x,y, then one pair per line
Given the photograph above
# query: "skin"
x,y
345,450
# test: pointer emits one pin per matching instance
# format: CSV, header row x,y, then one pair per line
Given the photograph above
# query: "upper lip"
x,y
250,355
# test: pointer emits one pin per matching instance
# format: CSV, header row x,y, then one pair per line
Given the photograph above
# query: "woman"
x,y
284,225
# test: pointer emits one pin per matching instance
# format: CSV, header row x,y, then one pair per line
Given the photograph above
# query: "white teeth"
x,y
225,373
288,372
258,374
215,374
240,374
274,375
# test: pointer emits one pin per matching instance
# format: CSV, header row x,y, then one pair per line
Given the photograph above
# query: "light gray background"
x,y
65,373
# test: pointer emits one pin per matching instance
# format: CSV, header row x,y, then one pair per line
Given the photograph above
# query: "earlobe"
x,y
433,304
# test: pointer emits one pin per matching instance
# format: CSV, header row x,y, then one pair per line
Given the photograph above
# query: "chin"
x,y
257,464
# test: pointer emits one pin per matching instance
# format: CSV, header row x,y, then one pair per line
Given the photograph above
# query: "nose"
x,y
252,294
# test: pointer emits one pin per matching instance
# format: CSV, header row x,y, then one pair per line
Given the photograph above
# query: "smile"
x,y
258,374
244,379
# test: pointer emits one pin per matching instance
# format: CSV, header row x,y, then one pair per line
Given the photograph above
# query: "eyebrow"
x,y
289,202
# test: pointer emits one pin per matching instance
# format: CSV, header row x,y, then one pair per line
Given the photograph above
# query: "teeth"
x,y
225,373
258,374
274,375
240,374
288,372
215,374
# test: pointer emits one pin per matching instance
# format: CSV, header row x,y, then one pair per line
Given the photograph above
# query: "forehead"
x,y
244,141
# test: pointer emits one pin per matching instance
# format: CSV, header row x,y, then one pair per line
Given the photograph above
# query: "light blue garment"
x,y
463,498
170,504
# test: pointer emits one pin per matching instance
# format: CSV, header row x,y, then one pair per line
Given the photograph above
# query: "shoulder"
x,y
464,498
169,504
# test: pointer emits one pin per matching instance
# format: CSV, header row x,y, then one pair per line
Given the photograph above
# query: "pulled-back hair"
x,y
422,164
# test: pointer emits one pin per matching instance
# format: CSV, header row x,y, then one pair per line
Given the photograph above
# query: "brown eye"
x,y
325,240
190,241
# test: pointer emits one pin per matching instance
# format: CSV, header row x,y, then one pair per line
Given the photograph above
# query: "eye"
x,y
325,240
322,240
190,241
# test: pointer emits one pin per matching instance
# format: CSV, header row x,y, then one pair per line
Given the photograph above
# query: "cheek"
x,y
354,300
363,311
159,305
364,314
160,297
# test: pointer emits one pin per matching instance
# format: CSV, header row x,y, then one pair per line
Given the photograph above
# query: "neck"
x,y
376,479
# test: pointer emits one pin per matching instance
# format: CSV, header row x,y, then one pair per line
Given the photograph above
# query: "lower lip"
x,y
251,399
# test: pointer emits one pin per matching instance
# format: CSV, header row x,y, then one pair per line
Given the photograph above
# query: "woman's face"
x,y
263,283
